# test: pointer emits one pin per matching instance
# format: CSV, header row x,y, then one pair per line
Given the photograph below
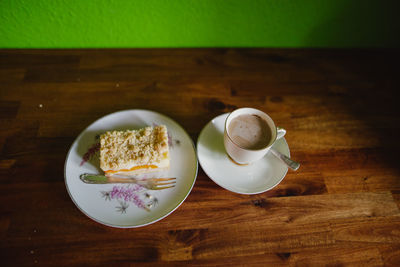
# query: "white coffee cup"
x,y
244,155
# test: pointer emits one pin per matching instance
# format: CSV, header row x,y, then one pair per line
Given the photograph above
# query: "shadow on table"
x,y
366,80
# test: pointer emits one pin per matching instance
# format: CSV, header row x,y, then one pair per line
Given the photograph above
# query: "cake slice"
x,y
134,152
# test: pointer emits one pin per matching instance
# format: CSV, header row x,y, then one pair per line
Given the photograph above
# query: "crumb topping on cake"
x,y
119,149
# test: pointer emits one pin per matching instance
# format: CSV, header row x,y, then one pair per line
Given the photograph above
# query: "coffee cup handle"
x,y
280,132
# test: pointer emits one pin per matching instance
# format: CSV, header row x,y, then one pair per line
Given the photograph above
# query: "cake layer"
x,y
163,165
134,151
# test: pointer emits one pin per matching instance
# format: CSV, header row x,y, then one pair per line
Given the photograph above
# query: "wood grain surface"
x,y
343,125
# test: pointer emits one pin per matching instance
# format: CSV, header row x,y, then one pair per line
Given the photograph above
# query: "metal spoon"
x,y
294,165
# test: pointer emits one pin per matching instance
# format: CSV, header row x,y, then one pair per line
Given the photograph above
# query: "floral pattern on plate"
x,y
132,193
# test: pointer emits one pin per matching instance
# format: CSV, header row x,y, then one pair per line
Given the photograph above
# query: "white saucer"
x,y
254,178
128,205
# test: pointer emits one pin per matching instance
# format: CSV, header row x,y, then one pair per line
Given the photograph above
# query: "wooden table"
x,y
338,106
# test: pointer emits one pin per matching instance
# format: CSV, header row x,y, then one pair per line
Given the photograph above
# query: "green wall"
x,y
201,23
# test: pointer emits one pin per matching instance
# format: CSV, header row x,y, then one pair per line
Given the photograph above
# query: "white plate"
x,y
128,206
254,178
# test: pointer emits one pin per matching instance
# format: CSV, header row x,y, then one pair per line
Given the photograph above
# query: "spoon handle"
x,y
294,165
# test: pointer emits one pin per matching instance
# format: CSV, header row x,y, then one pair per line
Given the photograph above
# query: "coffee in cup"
x,y
250,131
249,134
